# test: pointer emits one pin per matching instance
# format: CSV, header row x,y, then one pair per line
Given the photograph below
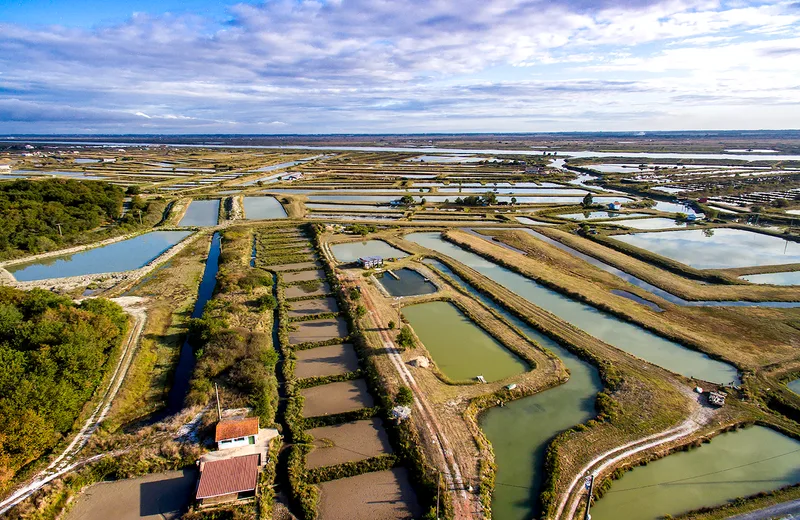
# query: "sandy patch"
x,y
311,307
298,291
326,361
303,276
336,398
382,495
348,442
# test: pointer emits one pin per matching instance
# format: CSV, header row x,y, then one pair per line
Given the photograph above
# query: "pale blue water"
x,y
719,248
650,223
595,215
352,251
257,208
201,213
119,256
790,278
794,386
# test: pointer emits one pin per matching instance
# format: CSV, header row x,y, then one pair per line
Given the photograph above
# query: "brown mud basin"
x,y
317,330
348,442
382,495
325,361
333,398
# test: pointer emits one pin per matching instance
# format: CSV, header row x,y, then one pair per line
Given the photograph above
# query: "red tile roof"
x,y
224,477
236,428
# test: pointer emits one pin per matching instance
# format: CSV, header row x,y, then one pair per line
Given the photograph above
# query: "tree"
x,y
392,325
266,302
490,198
406,337
513,200
404,396
757,209
780,203
361,311
355,294
407,200
133,190
587,200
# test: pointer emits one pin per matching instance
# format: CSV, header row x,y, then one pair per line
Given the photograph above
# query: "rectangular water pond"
x,y
259,208
597,215
405,282
790,278
201,213
719,248
125,255
651,223
461,349
352,251
735,464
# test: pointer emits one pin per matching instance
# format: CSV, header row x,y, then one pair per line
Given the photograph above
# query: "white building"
x,y
236,433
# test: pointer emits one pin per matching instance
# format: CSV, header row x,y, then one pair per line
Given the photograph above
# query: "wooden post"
x,y
219,408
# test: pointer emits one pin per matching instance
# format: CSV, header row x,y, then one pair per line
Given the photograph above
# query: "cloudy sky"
x,y
372,66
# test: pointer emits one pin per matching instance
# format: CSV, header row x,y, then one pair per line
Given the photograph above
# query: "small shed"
x,y
234,433
717,398
369,262
615,206
228,480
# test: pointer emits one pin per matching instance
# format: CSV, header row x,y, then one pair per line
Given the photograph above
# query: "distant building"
x,y
691,217
615,206
5,167
236,433
368,262
228,480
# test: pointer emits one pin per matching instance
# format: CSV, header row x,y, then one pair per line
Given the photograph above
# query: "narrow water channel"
x,y
186,360
735,464
638,282
521,430
623,335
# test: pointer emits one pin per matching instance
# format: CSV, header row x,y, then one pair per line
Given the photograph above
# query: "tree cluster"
x,y
53,355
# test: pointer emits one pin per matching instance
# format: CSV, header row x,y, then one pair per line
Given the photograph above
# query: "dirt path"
x,y
65,461
464,503
572,498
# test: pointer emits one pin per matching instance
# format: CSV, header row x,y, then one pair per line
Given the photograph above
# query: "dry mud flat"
x,y
348,442
336,398
298,291
383,495
318,330
311,307
304,276
325,361
159,496
292,267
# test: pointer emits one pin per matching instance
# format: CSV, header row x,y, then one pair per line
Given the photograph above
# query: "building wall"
x,y
234,443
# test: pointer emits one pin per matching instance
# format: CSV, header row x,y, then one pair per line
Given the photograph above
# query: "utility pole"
x,y
589,484
438,489
140,216
59,230
219,409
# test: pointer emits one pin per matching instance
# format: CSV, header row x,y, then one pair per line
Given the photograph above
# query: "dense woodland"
x,y
31,211
53,355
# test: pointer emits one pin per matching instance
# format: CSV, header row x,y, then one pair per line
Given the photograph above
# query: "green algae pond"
x,y
461,349
734,464
521,430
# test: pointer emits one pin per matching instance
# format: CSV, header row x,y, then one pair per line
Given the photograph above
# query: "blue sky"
x,y
316,66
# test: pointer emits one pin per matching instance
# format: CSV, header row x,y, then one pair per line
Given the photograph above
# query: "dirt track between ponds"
x,y
348,442
325,361
336,398
382,495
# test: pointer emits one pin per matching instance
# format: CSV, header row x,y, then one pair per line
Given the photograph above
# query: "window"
x,y
252,439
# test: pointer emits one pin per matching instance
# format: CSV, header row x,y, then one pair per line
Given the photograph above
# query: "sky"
x,y
397,66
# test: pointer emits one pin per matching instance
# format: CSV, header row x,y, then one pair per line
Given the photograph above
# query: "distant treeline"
x,y
31,212
53,355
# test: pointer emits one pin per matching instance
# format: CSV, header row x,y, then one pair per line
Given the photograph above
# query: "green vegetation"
x,y
404,396
40,216
406,337
53,355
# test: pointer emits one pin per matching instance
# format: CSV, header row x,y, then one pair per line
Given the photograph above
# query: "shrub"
x,y
406,337
404,396
266,302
